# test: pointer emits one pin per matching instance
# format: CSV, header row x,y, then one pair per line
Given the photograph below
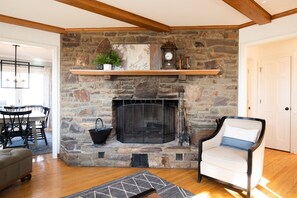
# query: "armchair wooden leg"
x,y
248,193
199,178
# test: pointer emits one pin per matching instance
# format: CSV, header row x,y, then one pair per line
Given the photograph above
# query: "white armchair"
x,y
234,154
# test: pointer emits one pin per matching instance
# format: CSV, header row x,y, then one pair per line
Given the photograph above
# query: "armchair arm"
x,y
255,164
209,142
256,159
258,145
214,139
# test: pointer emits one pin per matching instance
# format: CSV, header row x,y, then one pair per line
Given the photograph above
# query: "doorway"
x,y
46,63
275,100
270,68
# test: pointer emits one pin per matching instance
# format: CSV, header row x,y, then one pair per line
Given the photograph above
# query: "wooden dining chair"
x,y
14,108
2,138
44,124
16,124
38,108
41,126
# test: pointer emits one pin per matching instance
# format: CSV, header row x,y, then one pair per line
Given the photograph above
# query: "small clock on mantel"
x,y
168,55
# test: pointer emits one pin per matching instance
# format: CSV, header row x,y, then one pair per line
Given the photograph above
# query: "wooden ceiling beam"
x,y
172,28
275,16
284,14
251,9
31,24
247,24
205,27
106,29
118,14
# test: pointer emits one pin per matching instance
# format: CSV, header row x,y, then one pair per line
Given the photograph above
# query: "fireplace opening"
x,y
145,120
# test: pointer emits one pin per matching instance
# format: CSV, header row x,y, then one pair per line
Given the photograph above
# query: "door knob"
x,y
287,108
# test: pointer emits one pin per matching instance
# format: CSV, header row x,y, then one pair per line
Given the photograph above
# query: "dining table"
x,y
33,118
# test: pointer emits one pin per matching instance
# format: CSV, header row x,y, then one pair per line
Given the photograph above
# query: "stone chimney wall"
x,y
84,98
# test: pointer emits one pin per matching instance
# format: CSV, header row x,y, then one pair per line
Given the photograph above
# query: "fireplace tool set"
x,y
183,134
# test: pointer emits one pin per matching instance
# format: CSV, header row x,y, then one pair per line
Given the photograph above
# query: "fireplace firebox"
x,y
145,120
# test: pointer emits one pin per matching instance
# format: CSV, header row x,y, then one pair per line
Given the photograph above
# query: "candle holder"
x,y
187,63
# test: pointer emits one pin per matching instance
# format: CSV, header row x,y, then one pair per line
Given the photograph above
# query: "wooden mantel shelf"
x,y
145,72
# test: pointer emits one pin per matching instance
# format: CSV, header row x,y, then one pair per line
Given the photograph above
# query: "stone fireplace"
x,y
150,121
85,98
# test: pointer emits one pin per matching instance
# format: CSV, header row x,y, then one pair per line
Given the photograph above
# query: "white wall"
x,y
23,35
283,28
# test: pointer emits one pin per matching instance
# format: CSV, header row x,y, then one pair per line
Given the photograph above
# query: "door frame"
x,y
55,108
243,87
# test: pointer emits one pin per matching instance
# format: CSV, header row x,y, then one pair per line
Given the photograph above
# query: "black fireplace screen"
x,y
145,121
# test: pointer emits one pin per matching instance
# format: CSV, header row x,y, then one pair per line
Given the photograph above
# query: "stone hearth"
x,y
117,154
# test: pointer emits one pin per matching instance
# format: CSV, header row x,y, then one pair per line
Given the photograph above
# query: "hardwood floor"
x,y
52,178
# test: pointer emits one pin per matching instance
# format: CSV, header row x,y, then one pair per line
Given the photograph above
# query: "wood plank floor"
x,y
52,178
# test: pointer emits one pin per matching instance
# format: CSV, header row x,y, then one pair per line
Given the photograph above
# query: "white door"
x,y
252,92
274,100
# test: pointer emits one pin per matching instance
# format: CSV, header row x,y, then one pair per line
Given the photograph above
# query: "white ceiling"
x,y
277,6
168,12
36,55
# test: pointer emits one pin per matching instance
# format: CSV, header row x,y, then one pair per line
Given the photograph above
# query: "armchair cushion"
x,y
226,157
239,138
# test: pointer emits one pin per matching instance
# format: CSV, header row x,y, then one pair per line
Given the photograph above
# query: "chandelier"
x,y
15,74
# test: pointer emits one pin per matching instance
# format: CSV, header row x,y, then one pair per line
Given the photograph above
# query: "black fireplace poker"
x,y
183,135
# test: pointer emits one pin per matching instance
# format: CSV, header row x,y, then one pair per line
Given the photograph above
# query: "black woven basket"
x,y
99,135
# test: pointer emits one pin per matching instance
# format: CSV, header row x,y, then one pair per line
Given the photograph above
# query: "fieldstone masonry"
x,y
84,98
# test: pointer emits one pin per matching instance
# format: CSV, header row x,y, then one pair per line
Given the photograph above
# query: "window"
x,y
39,92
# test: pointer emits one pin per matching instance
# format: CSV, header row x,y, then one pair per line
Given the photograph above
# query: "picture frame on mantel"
x,y
139,56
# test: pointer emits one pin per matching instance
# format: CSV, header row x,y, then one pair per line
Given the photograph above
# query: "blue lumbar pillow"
x,y
239,137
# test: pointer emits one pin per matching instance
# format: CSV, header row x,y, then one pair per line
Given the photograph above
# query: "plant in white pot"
x,y
107,60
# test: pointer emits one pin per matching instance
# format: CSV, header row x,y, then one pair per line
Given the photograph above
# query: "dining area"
x,y
24,126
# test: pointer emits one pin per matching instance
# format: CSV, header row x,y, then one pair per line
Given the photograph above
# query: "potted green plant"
x,y
107,60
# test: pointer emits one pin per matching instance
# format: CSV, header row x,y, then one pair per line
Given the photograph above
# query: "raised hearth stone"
x,y
117,154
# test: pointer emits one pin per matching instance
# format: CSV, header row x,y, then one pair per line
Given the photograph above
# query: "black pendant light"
x,y
15,74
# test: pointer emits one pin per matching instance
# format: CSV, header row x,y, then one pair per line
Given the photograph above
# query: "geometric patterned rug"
x,y
132,185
